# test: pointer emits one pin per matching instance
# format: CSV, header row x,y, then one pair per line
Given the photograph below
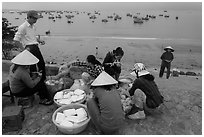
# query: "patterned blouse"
x,y
94,70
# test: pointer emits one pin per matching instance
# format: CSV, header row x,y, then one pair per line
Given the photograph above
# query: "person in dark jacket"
x,y
105,108
145,82
167,57
112,64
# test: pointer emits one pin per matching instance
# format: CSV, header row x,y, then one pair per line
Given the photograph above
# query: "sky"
x,y
103,5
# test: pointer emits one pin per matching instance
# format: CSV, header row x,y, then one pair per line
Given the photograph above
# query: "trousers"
x,y
34,49
40,88
164,65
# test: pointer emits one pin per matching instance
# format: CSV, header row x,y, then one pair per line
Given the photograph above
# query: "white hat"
x,y
169,47
25,58
141,73
104,79
140,68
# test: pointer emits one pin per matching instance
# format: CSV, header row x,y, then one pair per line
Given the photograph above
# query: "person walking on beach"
x,y
112,64
144,91
25,38
22,84
167,57
105,107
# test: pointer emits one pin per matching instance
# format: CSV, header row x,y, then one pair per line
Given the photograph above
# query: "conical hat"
x,y
169,47
25,58
104,79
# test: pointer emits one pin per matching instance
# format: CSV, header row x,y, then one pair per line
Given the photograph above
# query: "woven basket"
x,y
79,127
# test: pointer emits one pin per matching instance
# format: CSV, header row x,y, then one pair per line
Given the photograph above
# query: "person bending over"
x,y
105,107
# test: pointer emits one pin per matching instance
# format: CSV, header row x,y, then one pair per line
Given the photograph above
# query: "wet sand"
x,y
187,55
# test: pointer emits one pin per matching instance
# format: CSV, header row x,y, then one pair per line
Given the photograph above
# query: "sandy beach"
x,y
181,113
187,55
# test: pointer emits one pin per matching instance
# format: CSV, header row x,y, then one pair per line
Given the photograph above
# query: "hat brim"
x,y
25,58
104,79
141,73
169,49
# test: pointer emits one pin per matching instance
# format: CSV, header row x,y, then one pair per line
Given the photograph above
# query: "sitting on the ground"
x,y
21,82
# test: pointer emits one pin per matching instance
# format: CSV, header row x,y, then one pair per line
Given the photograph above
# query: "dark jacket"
x,y
111,70
147,84
167,56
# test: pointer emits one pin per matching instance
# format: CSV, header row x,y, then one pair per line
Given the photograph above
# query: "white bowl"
x,y
77,128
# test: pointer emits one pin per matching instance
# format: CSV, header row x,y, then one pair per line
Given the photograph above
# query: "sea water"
x,y
188,25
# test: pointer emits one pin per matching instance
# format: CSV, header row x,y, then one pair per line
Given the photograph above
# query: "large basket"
x,y
59,104
78,127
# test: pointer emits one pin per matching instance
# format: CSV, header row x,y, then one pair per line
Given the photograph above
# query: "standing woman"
x,y
112,64
25,38
21,83
106,109
167,57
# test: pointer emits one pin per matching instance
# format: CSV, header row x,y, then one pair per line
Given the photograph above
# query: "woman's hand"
x,y
168,61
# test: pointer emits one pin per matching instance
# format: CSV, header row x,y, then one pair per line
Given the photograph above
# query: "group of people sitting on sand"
x,y
104,107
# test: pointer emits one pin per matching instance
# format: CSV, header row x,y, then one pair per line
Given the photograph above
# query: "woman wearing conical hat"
x,y
106,109
167,57
21,83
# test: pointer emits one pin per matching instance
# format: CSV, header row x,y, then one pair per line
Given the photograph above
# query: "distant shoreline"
x,y
119,37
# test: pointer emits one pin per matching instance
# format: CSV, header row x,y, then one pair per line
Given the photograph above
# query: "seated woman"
x,y
112,64
92,66
105,108
21,83
144,89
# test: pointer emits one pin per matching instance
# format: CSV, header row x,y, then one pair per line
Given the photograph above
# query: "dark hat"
x,y
33,13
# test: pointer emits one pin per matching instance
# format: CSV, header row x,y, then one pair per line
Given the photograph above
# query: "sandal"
x,y
46,102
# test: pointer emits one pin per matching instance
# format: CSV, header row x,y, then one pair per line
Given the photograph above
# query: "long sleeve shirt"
x,y
21,79
148,87
167,56
93,70
111,112
110,59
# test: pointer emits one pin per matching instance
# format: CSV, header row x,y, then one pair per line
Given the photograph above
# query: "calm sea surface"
x,y
188,26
